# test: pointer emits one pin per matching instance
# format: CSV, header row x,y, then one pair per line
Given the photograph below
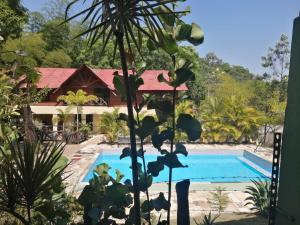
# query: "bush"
x,y
259,197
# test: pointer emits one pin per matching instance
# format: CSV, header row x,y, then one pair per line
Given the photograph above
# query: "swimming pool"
x,y
201,168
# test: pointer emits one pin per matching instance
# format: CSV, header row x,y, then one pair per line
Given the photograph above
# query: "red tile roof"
x,y
54,78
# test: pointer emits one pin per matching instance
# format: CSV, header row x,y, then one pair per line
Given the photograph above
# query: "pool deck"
x,y
84,154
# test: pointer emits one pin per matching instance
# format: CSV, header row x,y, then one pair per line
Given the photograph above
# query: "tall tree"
x,y
35,22
32,45
57,58
55,34
55,9
277,59
12,18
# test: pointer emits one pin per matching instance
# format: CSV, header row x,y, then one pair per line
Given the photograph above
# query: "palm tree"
x,y
30,173
32,76
111,126
78,99
64,116
245,121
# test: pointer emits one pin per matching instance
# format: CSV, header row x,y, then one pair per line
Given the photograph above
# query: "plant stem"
x,y
171,151
18,216
29,214
144,165
77,117
135,178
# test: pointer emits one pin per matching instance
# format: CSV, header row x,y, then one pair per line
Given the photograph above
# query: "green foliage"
x,y
120,22
85,129
207,220
259,197
105,198
32,44
63,116
111,126
190,125
55,34
12,18
227,114
35,22
219,199
8,110
278,58
30,179
77,99
57,58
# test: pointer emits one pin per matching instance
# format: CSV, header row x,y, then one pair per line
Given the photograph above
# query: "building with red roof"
x,y
97,82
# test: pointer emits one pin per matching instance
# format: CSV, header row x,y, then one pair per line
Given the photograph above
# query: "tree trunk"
x,y
28,124
135,178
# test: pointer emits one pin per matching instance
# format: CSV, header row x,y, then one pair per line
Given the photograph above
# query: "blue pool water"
x,y
201,168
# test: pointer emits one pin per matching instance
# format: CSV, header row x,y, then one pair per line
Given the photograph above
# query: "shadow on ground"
x,y
236,219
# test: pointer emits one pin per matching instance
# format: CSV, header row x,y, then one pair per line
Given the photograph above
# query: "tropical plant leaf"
x,y
191,33
148,126
119,85
163,108
180,149
154,168
170,160
159,138
190,126
182,76
160,203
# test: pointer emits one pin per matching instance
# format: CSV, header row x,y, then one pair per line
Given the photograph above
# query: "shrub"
x,y
219,199
259,197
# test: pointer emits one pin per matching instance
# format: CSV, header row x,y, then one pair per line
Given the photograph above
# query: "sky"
x,y
237,31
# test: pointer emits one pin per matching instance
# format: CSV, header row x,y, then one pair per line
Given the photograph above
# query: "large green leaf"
x,y
190,126
87,196
119,194
197,35
182,75
123,116
117,212
145,182
126,152
148,126
170,160
154,168
119,85
168,44
135,82
94,215
159,138
119,176
163,108
160,203
166,15
191,33
144,206
180,149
